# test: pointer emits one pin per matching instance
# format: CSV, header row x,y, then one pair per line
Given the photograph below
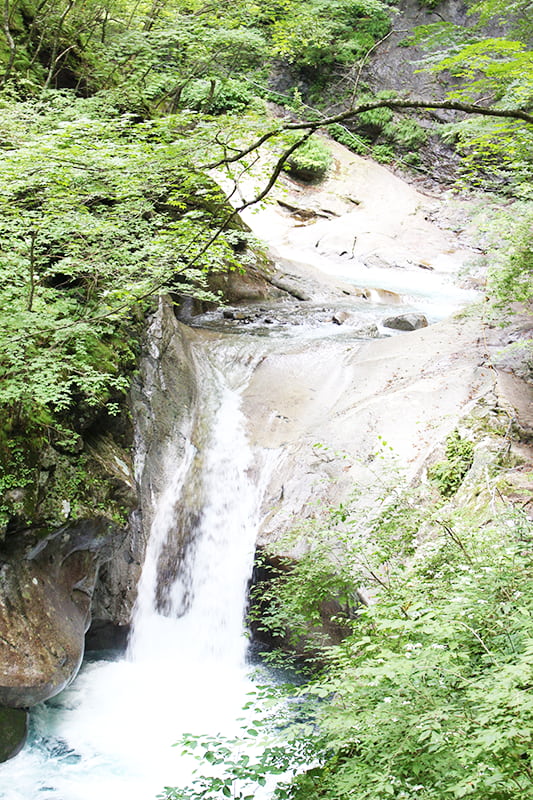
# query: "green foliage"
x,y
361,542
94,214
102,205
153,51
18,474
216,96
383,153
407,134
98,212
505,234
429,697
349,139
320,33
375,119
392,136
448,474
311,161
512,281
239,767
495,152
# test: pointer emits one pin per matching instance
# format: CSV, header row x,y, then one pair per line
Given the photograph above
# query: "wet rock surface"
x,y
328,408
357,320
162,401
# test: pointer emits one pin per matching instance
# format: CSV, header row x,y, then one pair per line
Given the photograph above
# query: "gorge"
x,y
266,398
248,423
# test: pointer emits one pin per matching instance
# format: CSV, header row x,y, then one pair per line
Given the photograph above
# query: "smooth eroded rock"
x,y
340,317
46,588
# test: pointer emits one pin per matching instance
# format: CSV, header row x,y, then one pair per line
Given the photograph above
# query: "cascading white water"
x,y
110,734
205,603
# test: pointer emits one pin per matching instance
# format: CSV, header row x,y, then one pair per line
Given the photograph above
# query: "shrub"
x,y
216,96
406,134
310,162
449,474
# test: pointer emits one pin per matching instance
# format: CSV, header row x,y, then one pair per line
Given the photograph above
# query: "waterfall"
x,y
111,733
203,606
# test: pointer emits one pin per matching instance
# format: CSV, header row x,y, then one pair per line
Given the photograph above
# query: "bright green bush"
x,y
216,96
383,153
448,474
406,134
311,161
512,280
320,33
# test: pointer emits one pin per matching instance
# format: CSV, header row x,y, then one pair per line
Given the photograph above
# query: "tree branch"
x,y
450,105
354,111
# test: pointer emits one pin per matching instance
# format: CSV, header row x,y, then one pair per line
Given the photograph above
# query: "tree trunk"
x,y
54,57
6,25
31,296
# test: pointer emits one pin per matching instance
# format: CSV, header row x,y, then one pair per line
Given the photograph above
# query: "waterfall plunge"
x,y
111,733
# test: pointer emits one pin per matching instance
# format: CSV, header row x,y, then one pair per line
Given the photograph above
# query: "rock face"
x,y
406,322
45,598
162,400
396,67
329,408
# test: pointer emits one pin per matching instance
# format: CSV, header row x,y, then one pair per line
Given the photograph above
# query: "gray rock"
x,y
235,314
290,286
369,331
406,322
162,400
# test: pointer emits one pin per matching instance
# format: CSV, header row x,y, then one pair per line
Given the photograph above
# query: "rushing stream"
x,y
110,734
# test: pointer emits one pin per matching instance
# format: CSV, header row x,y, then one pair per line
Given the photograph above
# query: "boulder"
x,y
235,314
369,331
46,588
292,285
406,322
